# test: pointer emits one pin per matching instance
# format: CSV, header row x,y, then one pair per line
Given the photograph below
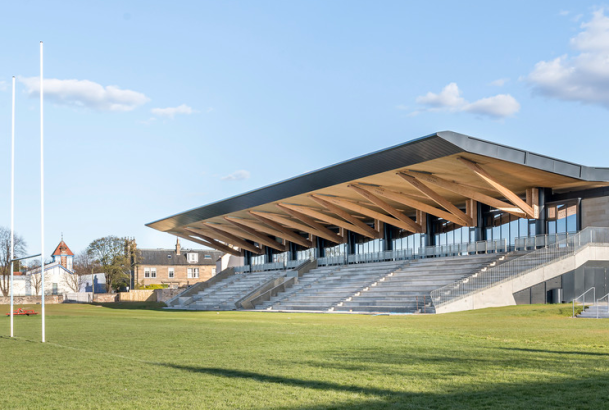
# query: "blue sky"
x,y
154,108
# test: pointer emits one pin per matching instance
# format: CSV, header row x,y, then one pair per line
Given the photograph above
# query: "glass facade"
x,y
413,242
501,225
561,217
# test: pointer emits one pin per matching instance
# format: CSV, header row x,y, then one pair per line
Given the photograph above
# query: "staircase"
x,y
323,288
591,312
407,290
223,295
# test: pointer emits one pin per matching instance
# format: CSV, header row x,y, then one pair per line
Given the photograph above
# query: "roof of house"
x,y
171,258
62,249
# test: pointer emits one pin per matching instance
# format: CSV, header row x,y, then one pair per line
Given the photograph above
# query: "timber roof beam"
x,y
507,193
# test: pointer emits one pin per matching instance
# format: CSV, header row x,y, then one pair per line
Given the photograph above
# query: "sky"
x,y
153,108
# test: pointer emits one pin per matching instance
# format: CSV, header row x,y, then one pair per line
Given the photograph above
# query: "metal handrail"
x,y
598,306
593,289
522,265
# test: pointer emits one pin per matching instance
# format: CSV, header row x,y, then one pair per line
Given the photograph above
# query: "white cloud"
x,y
499,106
499,82
563,13
584,77
237,176
449,99
170,112
85,93
3,85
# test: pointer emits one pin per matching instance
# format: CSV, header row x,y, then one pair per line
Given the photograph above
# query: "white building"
x,y
59,277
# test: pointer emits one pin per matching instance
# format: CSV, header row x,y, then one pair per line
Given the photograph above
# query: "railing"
x,y
295,264
520,266
598,306
267,266
528,243
480,247
583,297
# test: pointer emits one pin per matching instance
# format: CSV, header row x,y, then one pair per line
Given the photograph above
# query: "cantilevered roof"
x,y
445,155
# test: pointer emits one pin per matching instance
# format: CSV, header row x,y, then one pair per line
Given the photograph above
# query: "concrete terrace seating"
x,y
224,294
322,288
407,290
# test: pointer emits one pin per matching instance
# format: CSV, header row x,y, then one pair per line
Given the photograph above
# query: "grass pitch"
x,y
529,357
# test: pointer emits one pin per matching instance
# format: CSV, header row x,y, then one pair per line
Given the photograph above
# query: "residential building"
x,y
175,267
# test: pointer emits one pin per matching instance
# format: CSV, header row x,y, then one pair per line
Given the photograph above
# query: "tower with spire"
x,y
63,255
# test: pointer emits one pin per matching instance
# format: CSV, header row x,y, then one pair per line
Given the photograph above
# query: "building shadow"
x,y
574,393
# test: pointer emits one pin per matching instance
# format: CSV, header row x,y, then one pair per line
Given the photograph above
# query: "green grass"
x,y
100,357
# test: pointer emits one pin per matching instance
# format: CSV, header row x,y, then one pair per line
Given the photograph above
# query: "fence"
x,y
520,266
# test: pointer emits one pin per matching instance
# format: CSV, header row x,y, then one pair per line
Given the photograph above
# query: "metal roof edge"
x,y
432,146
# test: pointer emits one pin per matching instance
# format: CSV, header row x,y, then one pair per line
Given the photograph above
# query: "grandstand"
x,y
442,223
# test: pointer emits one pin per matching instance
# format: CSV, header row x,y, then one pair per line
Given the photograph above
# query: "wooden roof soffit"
x,y
288,234
508,194
347,204
404,199
258,226
363,227
315,227
407,223
253,235
214,232
212,243
466,192
463,219
313,213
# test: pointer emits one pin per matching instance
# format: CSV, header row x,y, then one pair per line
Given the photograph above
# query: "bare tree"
x,y
5,257
75,282
85,264
33,269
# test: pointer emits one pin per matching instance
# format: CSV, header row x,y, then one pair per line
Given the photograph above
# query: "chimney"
x,y
178,247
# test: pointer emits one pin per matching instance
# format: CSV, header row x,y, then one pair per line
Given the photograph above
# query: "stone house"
x,y
175,267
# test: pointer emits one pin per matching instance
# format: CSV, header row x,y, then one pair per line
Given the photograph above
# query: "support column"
x,y
430,238
351,243
293,251
388,238
480,227
540,224
247,257
321,247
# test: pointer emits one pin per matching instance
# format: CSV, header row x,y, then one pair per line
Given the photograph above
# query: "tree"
x,y
84,264
33,268
115,257
5,257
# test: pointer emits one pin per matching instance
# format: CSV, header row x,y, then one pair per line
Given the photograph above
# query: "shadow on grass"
x,y
553,351
576,393
158,306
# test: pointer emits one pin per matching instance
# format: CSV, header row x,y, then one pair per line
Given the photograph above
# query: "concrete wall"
x,y
595,212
